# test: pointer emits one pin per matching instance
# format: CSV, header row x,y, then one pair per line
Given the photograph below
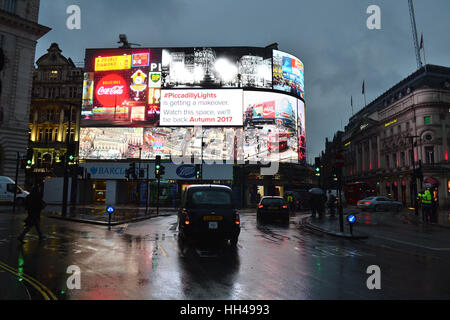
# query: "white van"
x,y
7,191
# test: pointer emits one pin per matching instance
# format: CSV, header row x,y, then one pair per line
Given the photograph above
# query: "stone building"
x,y
57,91
409,122
19,32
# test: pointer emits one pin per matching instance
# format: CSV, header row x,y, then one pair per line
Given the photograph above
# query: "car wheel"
x,y
234,241
260,218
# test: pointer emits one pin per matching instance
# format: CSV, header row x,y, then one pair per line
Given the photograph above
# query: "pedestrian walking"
x,y
322,204
331,202
313,204
33,204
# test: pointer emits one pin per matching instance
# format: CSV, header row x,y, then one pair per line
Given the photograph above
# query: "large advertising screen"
x,y
110,143
121,87
288,73
270,127
214,103
301,131
237,67
201,107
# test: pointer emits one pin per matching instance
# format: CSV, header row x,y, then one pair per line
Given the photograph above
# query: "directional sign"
x,y
110,209
351,218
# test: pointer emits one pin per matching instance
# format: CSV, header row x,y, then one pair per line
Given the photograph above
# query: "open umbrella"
x,y
316,191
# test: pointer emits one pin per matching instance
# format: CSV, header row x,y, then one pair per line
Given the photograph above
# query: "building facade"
x,y
19,32
406,128
57,91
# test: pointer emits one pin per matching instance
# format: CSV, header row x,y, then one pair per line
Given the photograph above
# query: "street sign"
x,y
339,160
351,218
110,209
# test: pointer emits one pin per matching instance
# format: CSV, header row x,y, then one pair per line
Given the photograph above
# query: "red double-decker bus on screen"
x,y
356,191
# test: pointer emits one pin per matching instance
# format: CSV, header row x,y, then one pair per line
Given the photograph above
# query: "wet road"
x,y
144,261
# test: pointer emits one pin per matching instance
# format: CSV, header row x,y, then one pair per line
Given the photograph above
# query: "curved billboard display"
x,y
216,103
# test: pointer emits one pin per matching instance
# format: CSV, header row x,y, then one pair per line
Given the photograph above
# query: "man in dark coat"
x,y
34,204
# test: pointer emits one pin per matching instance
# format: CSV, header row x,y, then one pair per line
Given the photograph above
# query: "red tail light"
x,y
237,219
260,206
187,218
284,206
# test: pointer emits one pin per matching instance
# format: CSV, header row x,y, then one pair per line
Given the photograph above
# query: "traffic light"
x,y
157,167
29,157
198,171
162,170
71,152
23,163
317,165
418,172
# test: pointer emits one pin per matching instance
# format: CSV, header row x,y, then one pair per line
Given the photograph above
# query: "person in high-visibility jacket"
x,y
426,199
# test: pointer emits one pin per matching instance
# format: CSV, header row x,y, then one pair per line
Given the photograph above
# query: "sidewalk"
x,y
443,217
366,219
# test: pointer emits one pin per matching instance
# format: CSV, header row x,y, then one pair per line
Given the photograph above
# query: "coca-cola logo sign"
x,y
111,90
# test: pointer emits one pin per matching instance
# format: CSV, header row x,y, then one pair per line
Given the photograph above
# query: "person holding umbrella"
x,y
316,201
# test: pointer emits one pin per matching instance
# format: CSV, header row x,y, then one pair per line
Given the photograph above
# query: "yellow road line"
x,y
46,293
163,251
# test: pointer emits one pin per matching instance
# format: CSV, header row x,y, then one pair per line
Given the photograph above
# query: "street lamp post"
x,y
414,178
65,165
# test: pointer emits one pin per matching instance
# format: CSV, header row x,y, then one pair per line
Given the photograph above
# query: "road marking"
x,y
46,293
412,244
163,251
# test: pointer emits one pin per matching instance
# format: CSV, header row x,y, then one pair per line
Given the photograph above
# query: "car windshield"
x,y
210,198
272,201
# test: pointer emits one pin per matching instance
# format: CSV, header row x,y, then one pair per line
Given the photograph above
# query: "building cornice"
x,y
12,20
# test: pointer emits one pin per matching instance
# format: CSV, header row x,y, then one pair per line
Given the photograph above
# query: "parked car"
x,y
272,207
7,186
377,203
207,212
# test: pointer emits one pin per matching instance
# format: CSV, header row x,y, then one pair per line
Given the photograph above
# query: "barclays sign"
x,y
106,171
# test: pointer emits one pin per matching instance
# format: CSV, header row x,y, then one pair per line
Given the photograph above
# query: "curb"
x,y
103,223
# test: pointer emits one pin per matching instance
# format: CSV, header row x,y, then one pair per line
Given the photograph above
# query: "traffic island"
x,y
330,226
101,217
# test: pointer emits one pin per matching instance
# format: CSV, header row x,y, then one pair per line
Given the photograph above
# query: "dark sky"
x,y
329,36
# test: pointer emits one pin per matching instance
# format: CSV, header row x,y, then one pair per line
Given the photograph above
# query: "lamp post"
x,y
414,178
65,165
